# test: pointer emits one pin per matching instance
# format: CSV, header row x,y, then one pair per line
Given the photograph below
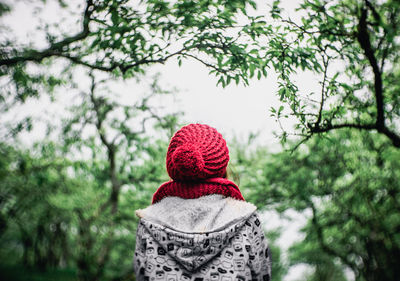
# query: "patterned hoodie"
x,y
211,238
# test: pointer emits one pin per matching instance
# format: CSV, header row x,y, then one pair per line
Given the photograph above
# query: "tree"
x,y
308,251
28,221
351,46
353,49
122,38
71,202
120,143
348,185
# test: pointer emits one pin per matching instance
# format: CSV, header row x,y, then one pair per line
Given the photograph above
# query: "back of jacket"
x,y
211,238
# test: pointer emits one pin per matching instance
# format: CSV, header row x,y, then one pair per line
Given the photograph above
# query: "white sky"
x,y
235,110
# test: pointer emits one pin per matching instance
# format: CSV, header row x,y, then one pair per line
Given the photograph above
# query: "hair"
x,y
232,174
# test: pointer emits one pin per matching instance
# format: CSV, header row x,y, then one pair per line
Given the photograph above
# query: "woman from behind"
x,y
199,227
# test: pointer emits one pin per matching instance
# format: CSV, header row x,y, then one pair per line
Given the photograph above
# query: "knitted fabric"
x,y
197,158
197,152
192,190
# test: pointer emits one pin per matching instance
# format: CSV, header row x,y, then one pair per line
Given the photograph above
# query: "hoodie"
x,y
211,238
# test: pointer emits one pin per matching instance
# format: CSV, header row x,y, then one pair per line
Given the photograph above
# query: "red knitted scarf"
x,y
192,190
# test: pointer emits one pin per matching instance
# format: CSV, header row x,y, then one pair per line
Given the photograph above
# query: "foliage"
x,y
279,268
353,48
70,203
349,186
55,213
122,38
125,160
325,267
22,274
25,181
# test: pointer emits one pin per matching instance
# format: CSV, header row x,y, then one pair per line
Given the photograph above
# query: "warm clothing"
x,y
192,190
199,227
197,152
211,238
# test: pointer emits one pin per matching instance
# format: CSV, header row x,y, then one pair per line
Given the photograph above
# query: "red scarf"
x,y
196,189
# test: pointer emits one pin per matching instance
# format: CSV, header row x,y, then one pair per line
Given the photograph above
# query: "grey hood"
x,y
194,231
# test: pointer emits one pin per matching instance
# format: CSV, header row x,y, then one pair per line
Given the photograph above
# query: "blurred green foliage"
x,y
21,273
347,184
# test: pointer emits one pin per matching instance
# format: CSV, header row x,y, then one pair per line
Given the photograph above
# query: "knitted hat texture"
x,y
197,152
197,158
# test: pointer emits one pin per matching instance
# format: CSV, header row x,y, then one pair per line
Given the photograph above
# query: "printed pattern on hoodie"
x,y
237,252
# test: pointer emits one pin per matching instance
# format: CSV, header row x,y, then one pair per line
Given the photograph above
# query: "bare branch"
x,y
365,43
111,149
326,62
344,125
206,63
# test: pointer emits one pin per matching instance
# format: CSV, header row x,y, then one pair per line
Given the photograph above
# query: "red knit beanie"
x,y
197,152
197,158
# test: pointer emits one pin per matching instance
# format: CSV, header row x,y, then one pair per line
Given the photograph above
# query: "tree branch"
x,y
344,125
384,130
111,149
364,40
365,43
116,65
55,49
325,61
206,63
322,242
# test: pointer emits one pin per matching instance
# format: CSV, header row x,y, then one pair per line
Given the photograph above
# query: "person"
x,y
199,227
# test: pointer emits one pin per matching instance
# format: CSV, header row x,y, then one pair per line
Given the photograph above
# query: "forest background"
x,y
89,101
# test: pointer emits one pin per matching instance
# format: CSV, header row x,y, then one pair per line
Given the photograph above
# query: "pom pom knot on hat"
x,y
197,152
